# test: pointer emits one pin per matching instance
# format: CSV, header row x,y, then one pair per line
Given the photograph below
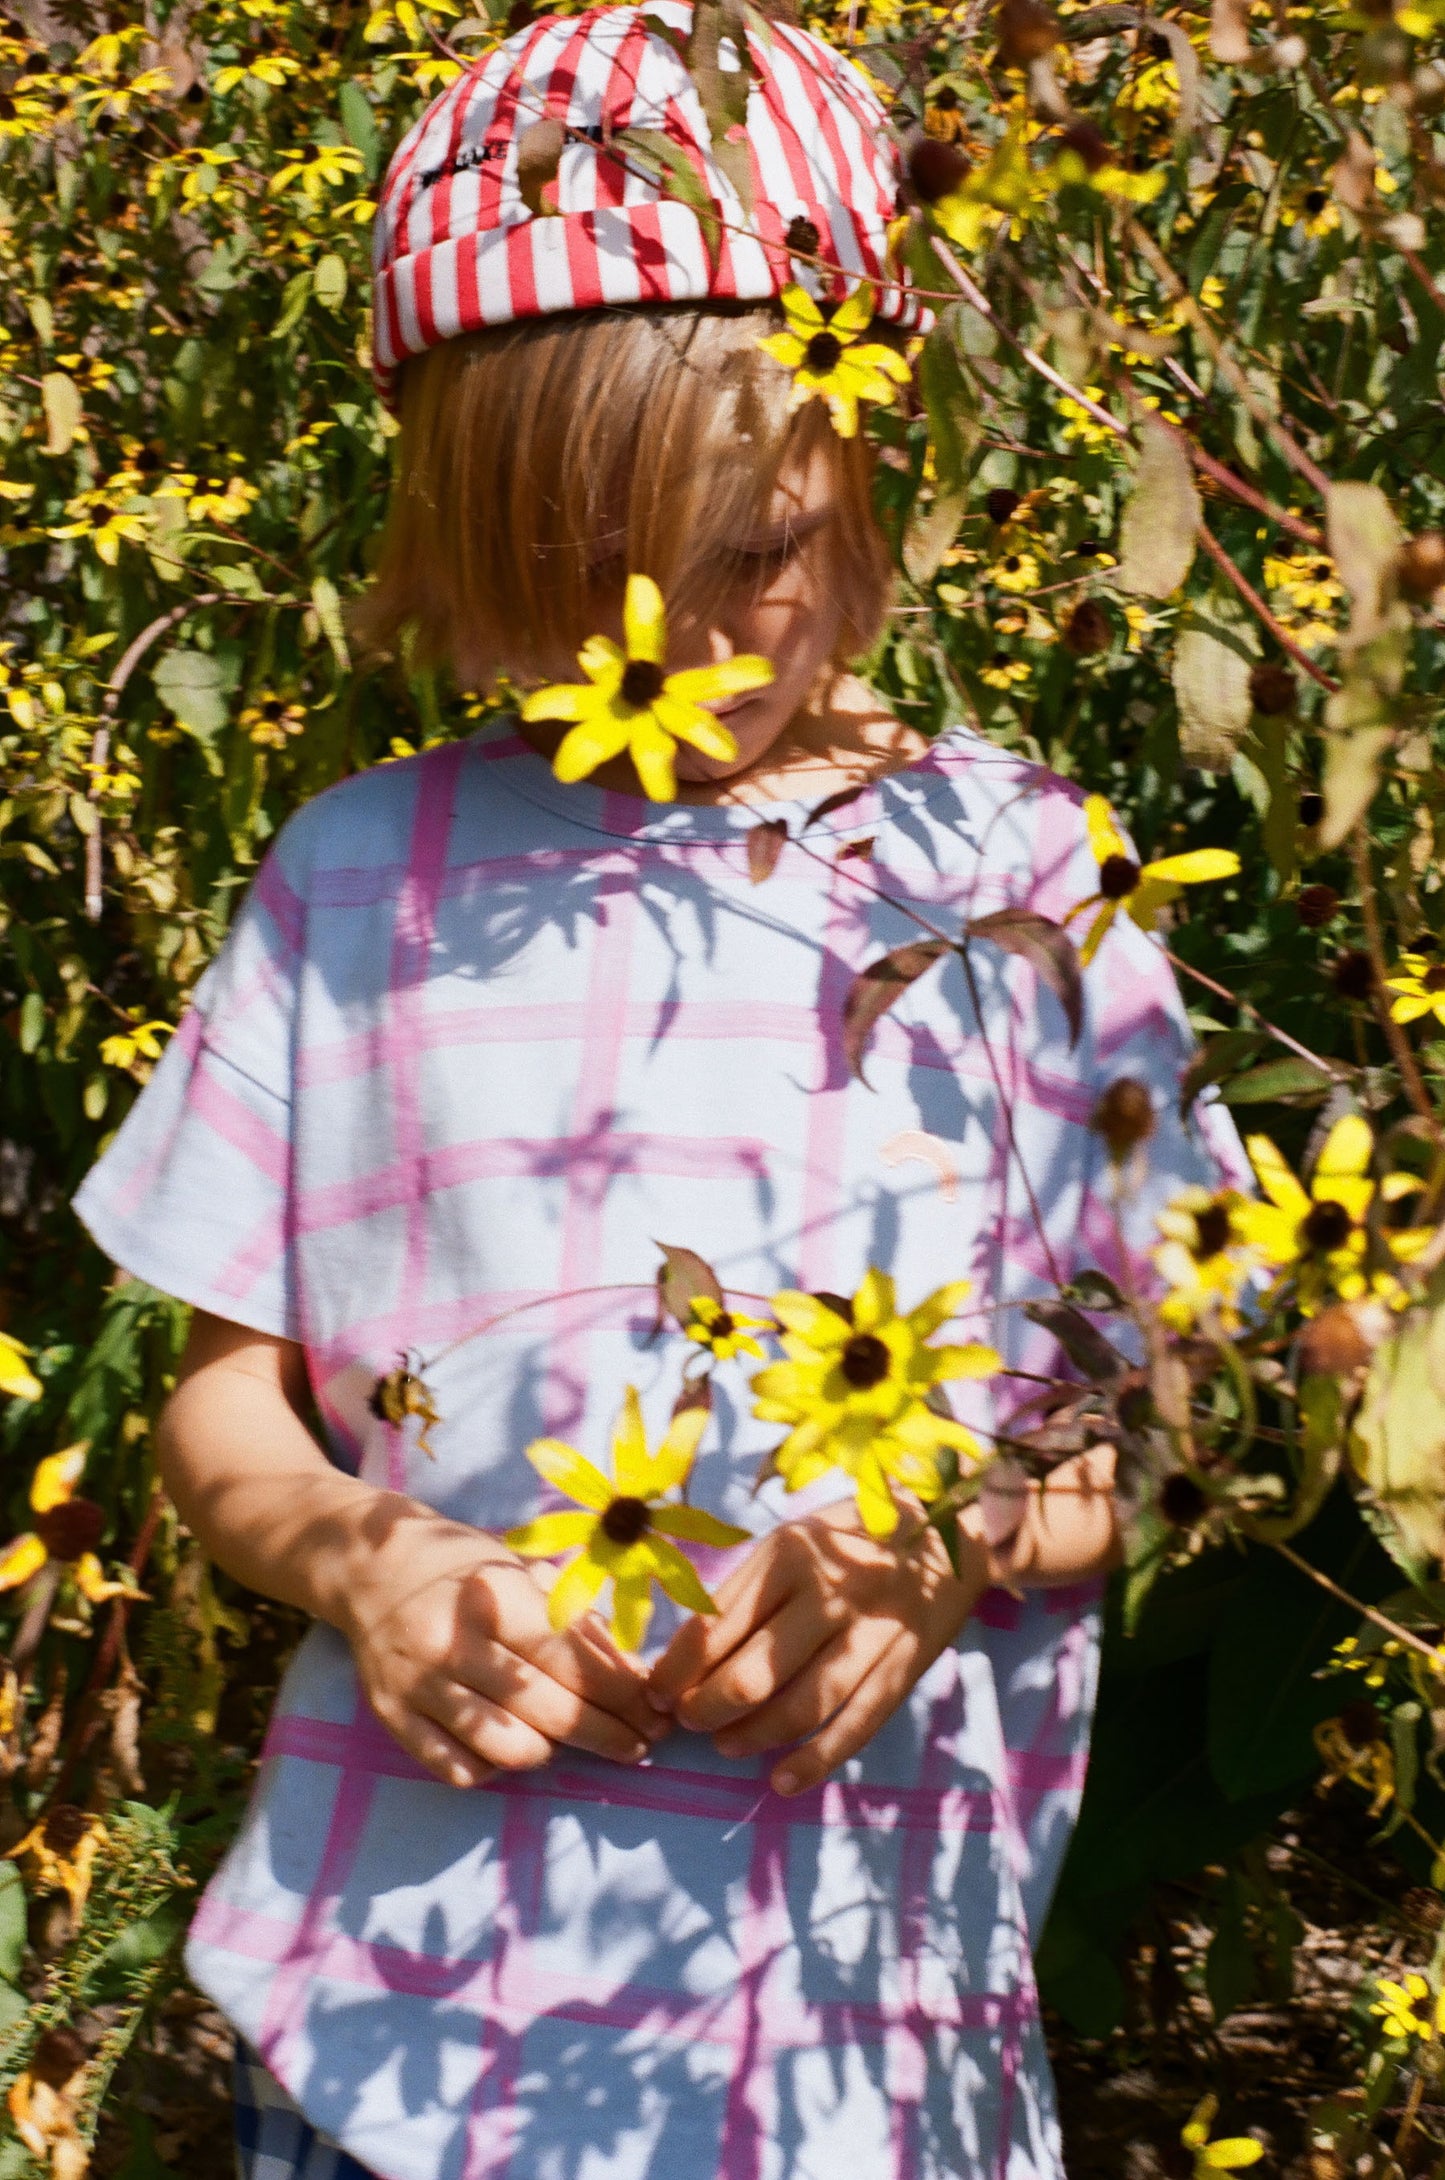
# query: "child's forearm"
x,y
252,1484
1069,1530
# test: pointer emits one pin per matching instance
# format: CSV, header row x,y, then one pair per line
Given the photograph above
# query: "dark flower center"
x,y
1181,1501
1118,876
1434,979
802,237
625,1520
1360,1723
1000,658
865,1361
823,351
642,681
65,1828
1211,1231
1011,564
1315,202
67,1531
722,1327
1353,974
1327,1226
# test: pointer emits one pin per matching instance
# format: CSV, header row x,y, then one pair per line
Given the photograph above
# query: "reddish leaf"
x,y
830,803
694,1393
1046,947
682,1278
862,849
874,990
765,845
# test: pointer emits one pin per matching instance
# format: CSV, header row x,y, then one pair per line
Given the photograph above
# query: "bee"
x,y
403,1392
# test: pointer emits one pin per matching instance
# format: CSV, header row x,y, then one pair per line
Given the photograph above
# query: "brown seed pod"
x,y
1353,974
1090,144
1002,503
1332,1344
1271,688
802,237
1123,1116
1026,31
70,1529
1087,631
1316,906
1420,569
934,169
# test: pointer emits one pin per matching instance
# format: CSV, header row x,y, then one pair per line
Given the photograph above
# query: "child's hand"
x,y
460,1663
818,1638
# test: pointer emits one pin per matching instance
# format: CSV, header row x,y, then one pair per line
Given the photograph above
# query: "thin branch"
x,y
1257,606
1404,1635
1247,1006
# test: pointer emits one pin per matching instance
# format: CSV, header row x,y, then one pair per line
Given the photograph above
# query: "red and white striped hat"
x,y
456,247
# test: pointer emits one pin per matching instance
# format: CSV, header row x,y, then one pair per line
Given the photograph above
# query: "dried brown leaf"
x,y
765,845
684,1277
539,154
1047,948
874,990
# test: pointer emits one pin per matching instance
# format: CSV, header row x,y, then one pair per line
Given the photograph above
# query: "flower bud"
x,y
934,169
1001,503
1316,906
1181,1500
1332,1344
1271,688
1123,1116
1420,569
1087,631
1026,31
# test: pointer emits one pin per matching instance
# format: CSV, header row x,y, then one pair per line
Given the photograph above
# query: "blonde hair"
x,y
541,463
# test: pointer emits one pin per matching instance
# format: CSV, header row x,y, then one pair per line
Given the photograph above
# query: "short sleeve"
x,y
194,1192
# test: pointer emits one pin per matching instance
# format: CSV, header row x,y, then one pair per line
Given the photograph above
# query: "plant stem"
x,y
1403,1635
1247,1006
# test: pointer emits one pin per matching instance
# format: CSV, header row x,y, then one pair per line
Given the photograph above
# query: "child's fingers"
x,y
432,1747
745,1601
556,1709
803,1706
871,1704
584,1663
496,1735
764,1661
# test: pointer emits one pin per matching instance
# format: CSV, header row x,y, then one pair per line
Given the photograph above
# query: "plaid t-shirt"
x,y
476,1043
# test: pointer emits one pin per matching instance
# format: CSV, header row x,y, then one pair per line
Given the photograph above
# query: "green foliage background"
x,y
192,471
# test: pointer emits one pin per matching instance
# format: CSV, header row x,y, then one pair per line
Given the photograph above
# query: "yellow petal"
x,y
20,1560
631,1464
730,677
575,1589
563,700
787,348
652,753
1346,1155
875,357
1104,836
1231,2153
631,1601
567,1471
551,1533
688,722
644,620
802,313
938,1307
1193,868
673,1461
875,1501
677,1575
16,1377
91,1581
810,1319
594,742
843,409
55,1479
696,1526
1275,1178
974,1359
875,1302
1097,930
854,314
604,663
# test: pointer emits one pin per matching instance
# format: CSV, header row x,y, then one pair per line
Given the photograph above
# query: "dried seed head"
x,y
1332,1344
1123,1116
1311,807
1420,569
1181,1500
1026,30
802,237
1002,503
1316,906
1087,631
934,169
1091,145
1353,974
1361,1723
1271,688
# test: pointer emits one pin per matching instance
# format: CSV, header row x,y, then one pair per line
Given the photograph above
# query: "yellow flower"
x,y
623,1528
139,1043
268,68
1311,586
1202,1258
1321,1236
1230,2154
628,703
16,1376
1410,2009
326,166
855,1389
1080,425
822,352
1144,887
721,1330
1354,1747
1421,985
63,1847
1002,672
222,503
1006,186
1015,572
112,515
271,723
66,1530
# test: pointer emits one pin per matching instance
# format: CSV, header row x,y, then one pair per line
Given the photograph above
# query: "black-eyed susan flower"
x,y
829,359
722,1331
1420,984
61,1851
1355,1746
1017,571
1412,2010
622,1525
140,1043
1142,888
65,1530
1320,1235
1203,1258
1231,2153
1003,672
855,1390
271,722
629,702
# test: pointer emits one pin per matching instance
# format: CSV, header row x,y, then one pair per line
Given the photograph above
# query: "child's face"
x,y
781,605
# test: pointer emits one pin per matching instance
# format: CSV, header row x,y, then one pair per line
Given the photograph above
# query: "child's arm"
x,y
823,1630
448,1628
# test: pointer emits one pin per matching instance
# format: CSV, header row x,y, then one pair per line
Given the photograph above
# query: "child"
x,y
506,1903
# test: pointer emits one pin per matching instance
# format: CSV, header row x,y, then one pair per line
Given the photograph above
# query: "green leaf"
x,y
359,122
1157,535
14,2006
297,295
657,153
12,1922
1212,661
190,684
325,599
32,1022
329,280
1299,1080
1398,1442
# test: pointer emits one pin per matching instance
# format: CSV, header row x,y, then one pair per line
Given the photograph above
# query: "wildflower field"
x,y
1166,489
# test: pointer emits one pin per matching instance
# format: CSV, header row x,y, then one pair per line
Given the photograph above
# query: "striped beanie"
x,y
457,248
